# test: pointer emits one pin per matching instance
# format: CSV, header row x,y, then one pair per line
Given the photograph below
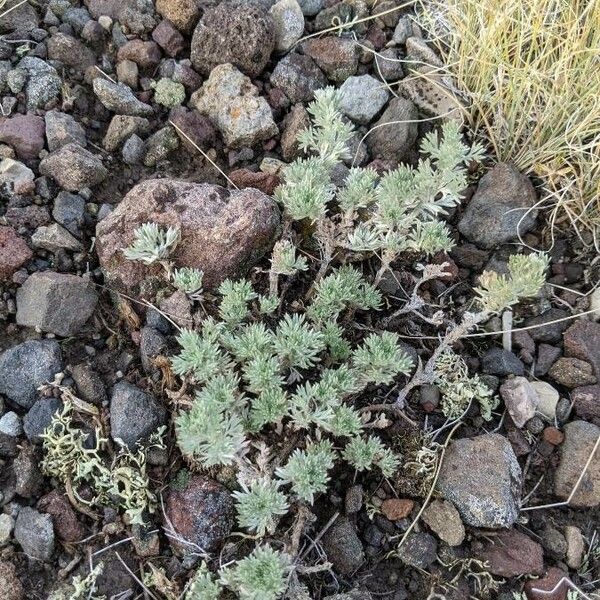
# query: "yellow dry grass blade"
x,y
531,69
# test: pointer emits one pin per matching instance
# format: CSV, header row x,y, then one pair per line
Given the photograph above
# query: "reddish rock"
x,y
245,178
168,38
145,54
296,121
196,126
66,524
223,232
538,589
25,133
572,372
70,52
586,403
395,509
553,436
14,252
201,512
11,587
582,340
512,553
337,56
32,216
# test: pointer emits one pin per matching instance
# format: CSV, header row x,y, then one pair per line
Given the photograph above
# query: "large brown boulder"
x,y
223,232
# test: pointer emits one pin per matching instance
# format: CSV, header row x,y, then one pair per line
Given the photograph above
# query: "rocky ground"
x,y
113,113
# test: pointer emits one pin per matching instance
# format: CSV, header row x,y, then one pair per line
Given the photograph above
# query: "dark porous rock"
x,y
498,361
134,414
69,211
39,418
57,303
554,542
152,344
549,587
29,478
196,126
43,84
353,595
298,77
200,512
336,56
70,52
135,15
551,333
354,499
500,205
89,385
22,18
580,438
512,554
63,129
586,403
25,367
239,32
35,533
183,14
159,145
343,547
14,252
25,133
222,232
419,550
66,525
482,478
74,168
395,132
582,340
11,587
572,372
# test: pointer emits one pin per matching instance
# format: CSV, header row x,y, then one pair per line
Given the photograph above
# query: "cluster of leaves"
x,y
72,459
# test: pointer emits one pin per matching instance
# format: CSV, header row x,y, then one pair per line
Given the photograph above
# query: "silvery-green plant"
x,y
152,243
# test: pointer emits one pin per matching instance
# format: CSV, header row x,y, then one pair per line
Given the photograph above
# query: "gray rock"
x,y
152,343
389,64
362,97
10,424
39,418
57,303
234,105
554,542
74,168
311,7
23,18
288,24
133,150
419,550
580,438
298,77
25,367
134,414
89,385
69,211
7,524
15,175
62,129
159,145
500,208
29,478
54,238
119,99
353,595
354,499
520,398
498,361
553,331
403,31
70,52
35,533
343,547
43,84
395,133
121,128
239,32
482,478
